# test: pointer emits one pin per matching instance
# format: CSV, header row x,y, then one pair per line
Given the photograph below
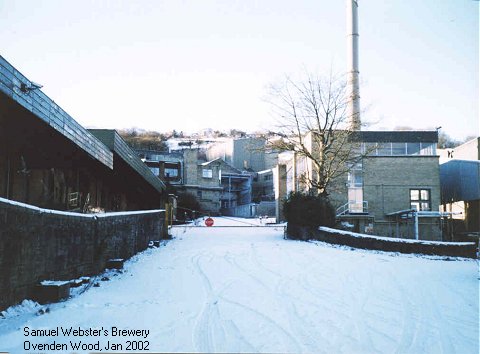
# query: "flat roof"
x,y
43,107
396,136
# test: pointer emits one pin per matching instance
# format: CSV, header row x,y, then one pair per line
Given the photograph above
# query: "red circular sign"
x,y
209,221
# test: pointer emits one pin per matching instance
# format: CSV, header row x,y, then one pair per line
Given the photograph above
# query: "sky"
x,y
189,65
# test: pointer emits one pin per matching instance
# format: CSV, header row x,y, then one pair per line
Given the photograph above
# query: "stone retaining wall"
x,y
339,237
38,244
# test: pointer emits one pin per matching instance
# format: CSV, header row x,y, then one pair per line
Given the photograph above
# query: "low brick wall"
x,y
339,237
38,244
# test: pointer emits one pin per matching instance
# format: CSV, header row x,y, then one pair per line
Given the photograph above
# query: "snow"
x,y
246,289
54,282
69,213
392,239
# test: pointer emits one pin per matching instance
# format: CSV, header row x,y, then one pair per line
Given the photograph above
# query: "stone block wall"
x,y
345,238
38,244
388,180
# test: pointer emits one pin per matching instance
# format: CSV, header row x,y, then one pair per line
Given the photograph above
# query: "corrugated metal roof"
x,y
46,109
118,146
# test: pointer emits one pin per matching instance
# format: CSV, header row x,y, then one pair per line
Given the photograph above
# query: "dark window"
x,y
420,199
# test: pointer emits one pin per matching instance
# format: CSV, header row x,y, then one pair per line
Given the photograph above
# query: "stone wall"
x,y
345,238
39,244
387,182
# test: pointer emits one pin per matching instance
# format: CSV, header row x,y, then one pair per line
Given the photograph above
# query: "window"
x,y
172,171
398,149
413,148
420,199
369,148
354,177
384,149
207,173
199,194
428,149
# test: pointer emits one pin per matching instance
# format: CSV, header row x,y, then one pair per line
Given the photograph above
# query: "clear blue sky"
x,y
193,64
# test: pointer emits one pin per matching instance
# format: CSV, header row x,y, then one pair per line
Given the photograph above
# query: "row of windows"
x,y
399,149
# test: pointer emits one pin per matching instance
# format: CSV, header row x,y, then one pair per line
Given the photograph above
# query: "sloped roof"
x,y
230,168
118,146
23,91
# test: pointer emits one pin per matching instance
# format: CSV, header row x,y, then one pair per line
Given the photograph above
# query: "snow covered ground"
x,y
249,290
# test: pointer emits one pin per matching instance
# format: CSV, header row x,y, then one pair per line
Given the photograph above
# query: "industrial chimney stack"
x,y
353,110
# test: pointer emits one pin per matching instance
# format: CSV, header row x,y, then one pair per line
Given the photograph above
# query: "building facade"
x,y
397,174
243,153
219,187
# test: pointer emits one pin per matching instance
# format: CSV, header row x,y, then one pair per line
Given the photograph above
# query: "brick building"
x,y
243,153
398,174
218,186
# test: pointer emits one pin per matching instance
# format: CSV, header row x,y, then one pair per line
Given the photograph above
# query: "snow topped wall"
x,y
390,244
38,244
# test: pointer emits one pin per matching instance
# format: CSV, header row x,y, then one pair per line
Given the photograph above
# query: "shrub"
x,y
308,210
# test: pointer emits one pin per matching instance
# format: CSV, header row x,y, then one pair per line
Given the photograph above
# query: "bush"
x,y
308,210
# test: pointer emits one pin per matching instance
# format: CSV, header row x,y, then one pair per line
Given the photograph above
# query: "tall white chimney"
x,y
353,111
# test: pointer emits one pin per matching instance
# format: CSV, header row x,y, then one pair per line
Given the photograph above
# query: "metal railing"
x,y
353,207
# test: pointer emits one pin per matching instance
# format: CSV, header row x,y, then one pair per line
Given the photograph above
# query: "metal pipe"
x,y
415,214
353,85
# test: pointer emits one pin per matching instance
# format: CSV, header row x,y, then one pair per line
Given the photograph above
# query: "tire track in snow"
x,y
211,330
434,311
203,334
261,317
232,260
409,326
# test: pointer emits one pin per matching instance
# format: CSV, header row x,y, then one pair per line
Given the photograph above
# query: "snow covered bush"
x,y
308,210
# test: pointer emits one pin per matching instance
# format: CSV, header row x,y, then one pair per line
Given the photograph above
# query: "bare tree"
x,y
313,123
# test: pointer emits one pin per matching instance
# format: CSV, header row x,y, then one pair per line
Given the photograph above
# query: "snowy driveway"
x,y
249,290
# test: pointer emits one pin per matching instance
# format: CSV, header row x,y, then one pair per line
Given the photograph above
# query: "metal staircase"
x,y
353,208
